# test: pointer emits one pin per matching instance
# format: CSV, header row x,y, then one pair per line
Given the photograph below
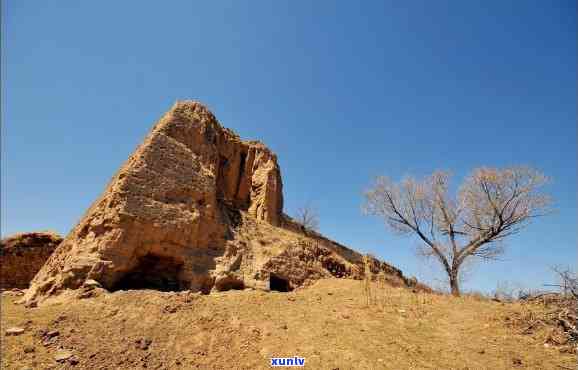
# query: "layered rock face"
x,y
22,255
196,208
169,201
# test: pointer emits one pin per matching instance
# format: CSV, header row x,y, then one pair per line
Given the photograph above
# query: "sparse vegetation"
x,y
367,277
328,323
568,281
307,217
491,205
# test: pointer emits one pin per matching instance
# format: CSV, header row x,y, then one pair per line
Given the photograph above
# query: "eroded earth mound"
x,y
22,255
194,208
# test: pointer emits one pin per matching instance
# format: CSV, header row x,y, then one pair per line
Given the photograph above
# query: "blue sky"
x,y
341,91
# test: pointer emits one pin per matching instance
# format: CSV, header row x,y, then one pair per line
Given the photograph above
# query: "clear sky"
x,y
341,91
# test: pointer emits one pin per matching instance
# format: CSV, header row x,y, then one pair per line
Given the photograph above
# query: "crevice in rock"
x,y
233,214
240,177
223,161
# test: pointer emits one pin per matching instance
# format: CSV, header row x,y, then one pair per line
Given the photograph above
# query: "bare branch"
x,y
492,204
499,203
308,218
568,280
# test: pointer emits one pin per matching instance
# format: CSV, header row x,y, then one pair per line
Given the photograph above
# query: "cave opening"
x,y
153,272
278,284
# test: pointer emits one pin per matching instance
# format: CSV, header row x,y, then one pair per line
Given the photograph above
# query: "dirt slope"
x,y
328,323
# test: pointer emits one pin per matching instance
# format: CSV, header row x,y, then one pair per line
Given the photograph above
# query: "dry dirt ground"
x,y
328,323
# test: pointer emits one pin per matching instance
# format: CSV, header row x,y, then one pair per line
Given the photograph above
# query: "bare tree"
x,y
308,218
568,281
491,205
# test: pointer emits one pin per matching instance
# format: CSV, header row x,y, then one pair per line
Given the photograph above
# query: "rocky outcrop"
x,y
196,208
168,202
22,255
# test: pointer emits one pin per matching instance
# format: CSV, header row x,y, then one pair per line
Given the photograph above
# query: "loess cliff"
x,y
194,208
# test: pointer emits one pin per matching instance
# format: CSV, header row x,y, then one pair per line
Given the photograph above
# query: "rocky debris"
x,y
52,333
557,325
60,318
48,337
22,256
63,356
89,291
15,292
190,210
14,331
91,284
170,308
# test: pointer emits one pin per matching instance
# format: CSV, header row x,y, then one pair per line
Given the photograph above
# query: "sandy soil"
x,y
329,324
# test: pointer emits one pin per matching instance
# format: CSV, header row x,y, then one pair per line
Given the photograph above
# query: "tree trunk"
x,y
454,283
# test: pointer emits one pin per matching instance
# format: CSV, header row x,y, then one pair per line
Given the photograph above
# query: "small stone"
x,y
62,356
90,283
59,318
86,294
17,292
170,309
516,361
29,349
73,360
401,311
52,333
14,331
284,326
143,343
